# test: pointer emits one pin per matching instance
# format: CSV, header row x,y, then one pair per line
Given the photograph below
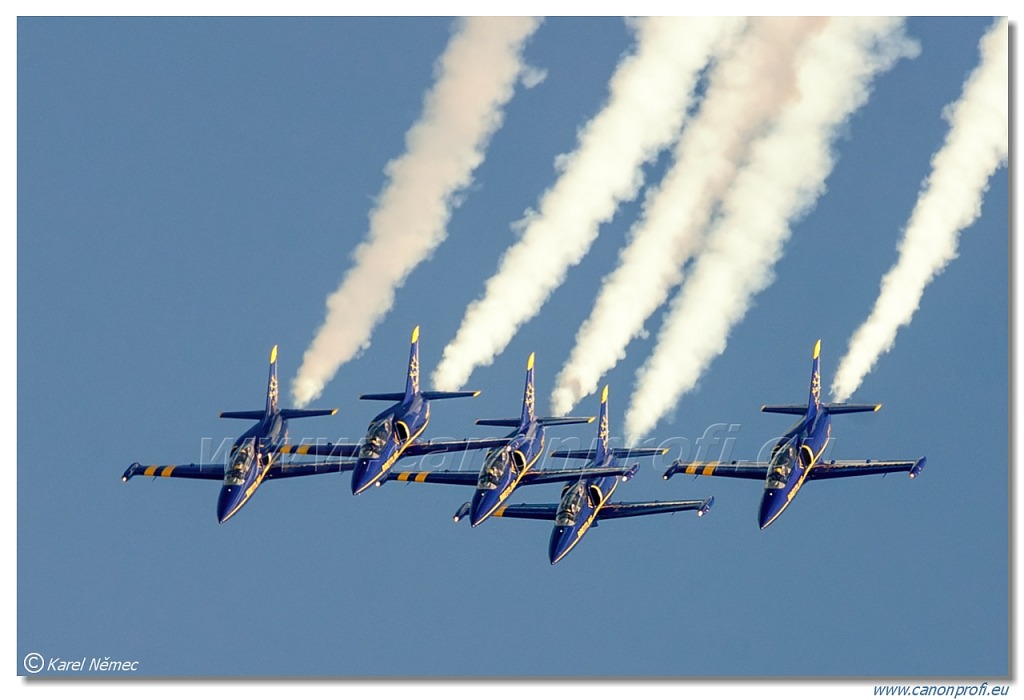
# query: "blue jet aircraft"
x,y
795,457
393,433
251,458
510,464
585,502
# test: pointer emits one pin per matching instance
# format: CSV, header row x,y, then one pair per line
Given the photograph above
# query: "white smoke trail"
x,y
649,95
475,78
746,88
976,146
782,179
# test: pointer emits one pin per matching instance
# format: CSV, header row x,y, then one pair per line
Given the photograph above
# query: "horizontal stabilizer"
x,y
798,409
516,422
617,452
434,395
627,453
565,421
548,476
499,422
837,408
383,397
289,413
244,415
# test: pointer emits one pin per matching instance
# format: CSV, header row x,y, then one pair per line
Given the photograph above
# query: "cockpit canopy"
x,y
377,435
239,463
495,465
571,505
781,467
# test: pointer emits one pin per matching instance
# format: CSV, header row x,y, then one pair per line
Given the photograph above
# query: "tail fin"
x,y
814,400
814,404
272,384
529,415
602,428
412,382
271,408
528,412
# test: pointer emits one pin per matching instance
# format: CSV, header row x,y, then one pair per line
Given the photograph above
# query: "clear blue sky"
x,y
190,190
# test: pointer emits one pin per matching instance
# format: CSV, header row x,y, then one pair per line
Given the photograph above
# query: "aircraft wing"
x,y
463,478
824,470
835,469
214,472
545,476
423,448
734,469
538,511
283,470
321,449
547,511
629,510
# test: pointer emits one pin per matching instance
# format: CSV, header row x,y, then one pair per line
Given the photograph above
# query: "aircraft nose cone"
x,y
481,507
772,505
362,476
228,502
560,544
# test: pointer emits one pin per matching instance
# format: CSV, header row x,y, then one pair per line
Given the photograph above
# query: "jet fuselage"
x,y
504,468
